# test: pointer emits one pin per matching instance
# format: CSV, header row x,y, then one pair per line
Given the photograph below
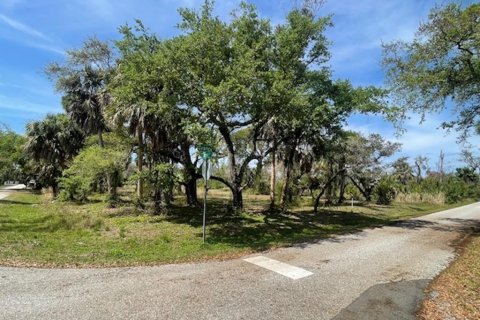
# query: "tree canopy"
x,y
441,64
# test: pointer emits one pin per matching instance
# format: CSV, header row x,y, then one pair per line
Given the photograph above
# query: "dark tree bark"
x,y
237,173
273,178
286,192
366,192
140,182
191,173
342,181
322,191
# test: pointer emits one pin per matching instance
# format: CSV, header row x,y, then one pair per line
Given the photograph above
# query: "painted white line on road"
x,y
284,269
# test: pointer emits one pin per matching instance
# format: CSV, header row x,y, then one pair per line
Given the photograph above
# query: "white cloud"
x,y
23,27
26,83
23,106
362,26
29,36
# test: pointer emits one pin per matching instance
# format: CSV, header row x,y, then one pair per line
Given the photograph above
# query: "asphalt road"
x,y
377,274
5,192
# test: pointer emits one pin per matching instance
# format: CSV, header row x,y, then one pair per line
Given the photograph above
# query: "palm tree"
x,y
133,117
51,144
83,80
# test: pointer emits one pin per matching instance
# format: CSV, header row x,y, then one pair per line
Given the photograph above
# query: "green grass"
x,y
37,232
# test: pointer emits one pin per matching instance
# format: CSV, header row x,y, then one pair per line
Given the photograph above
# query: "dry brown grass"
x,y
438,198
455,294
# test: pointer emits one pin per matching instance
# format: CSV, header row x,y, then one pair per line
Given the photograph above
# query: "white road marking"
x,y
284,269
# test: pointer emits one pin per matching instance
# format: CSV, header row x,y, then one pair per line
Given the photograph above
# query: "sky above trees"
x,y
34,33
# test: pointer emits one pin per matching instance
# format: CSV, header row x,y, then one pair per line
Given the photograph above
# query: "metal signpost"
x,y
206,153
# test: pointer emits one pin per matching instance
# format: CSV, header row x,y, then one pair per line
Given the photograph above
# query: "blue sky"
x,y
33,33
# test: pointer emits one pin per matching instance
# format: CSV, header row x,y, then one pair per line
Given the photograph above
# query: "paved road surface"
x,y
5,192
376,274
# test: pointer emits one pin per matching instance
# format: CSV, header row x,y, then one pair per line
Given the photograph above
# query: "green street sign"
x,y
207,154
205,151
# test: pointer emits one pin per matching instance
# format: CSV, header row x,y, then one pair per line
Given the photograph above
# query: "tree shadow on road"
x,y
449,224
386,301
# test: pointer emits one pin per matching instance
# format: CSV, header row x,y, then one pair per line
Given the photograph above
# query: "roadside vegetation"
x,y
455,294
34,231
122,163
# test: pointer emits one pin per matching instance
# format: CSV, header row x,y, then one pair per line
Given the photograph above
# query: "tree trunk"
x,y
317,200
55,190
341,196
286,193
237,197
100,139
112,187
367,195
191,191
191,176
140,183
273,177
342,182
158,201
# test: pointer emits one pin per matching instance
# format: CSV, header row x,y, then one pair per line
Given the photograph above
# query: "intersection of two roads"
x,y
376,274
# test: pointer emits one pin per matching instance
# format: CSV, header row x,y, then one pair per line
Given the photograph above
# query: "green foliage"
x,y
74,187
11,155
200,135
92,165
364,157
163,176
159,184
65,234
441,63
386,191
468,175
352,192
51,145
82,80
456,189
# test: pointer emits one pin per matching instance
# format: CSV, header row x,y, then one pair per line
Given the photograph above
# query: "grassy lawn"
x,y
456,292
36,232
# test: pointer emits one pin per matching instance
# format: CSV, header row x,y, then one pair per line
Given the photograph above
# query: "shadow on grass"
x,y
4,201
39,224
42,224
262,231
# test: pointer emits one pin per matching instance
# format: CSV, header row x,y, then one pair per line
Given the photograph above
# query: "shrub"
x,y
457,189
385,191
93,165
74,188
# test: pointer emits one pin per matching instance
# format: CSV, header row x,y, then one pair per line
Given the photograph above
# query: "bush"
x,y
91,166
457,189
74,188
385,191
